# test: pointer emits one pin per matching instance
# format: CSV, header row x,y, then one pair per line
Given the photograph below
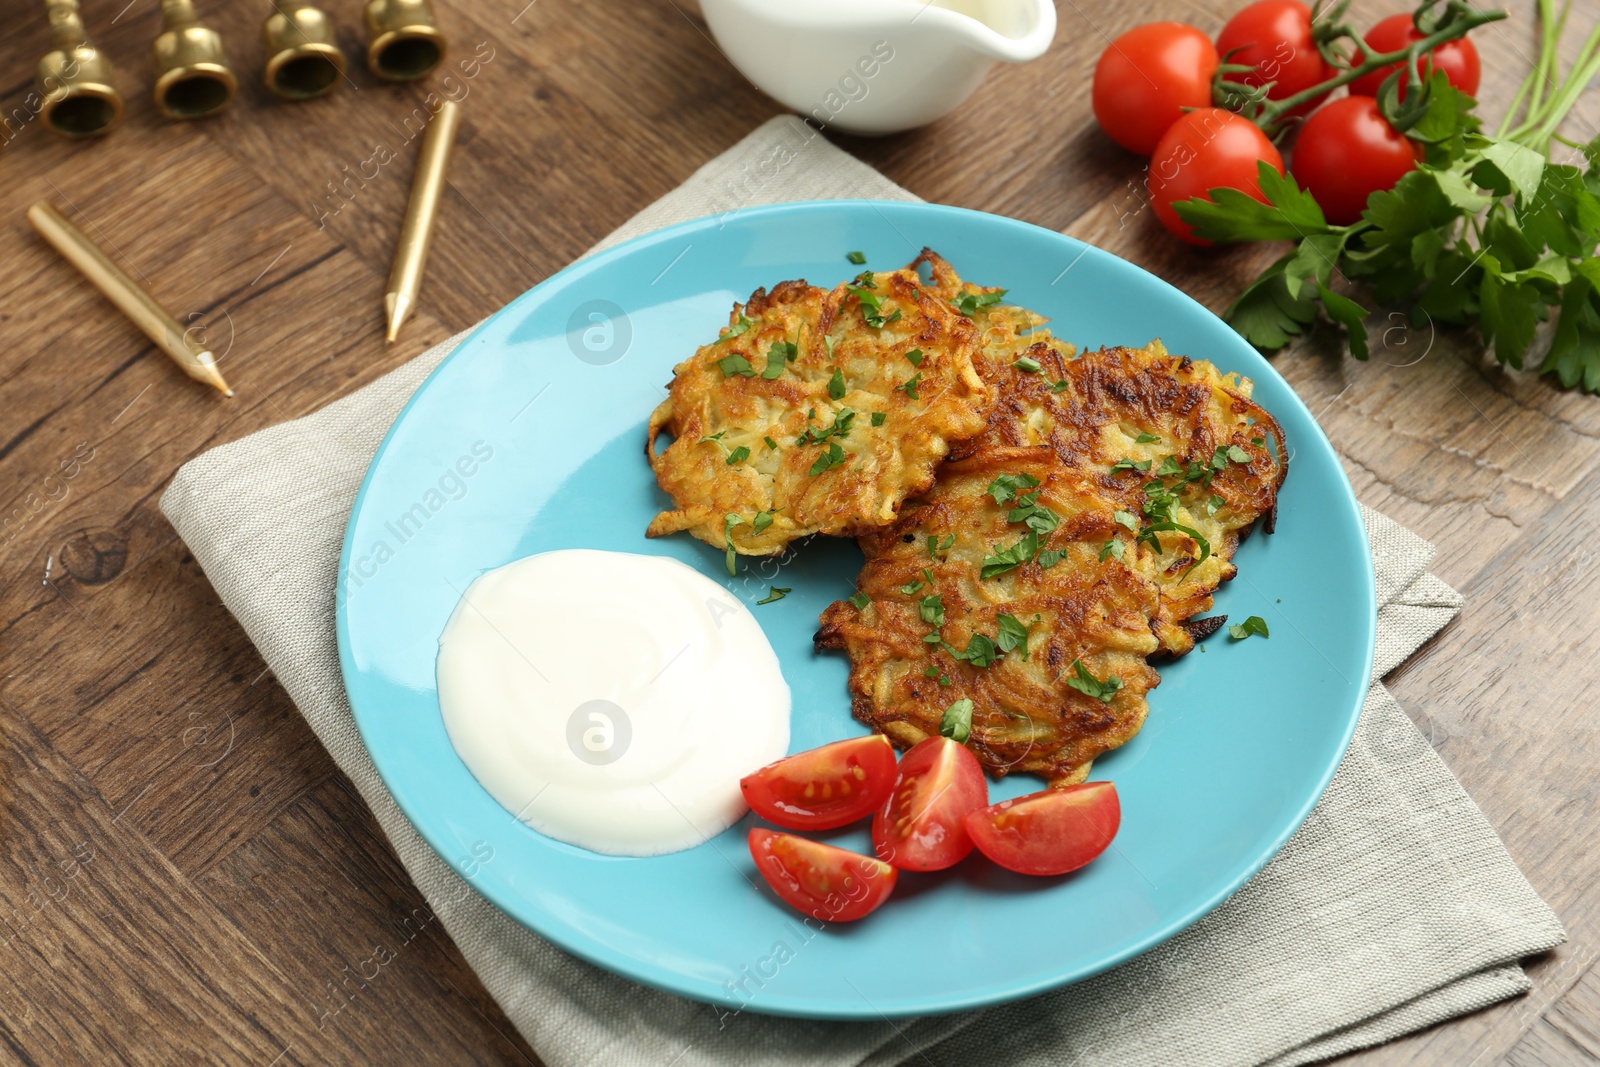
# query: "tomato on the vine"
x,y
1146,78
1346,152
1274,37
1206,149
1457,59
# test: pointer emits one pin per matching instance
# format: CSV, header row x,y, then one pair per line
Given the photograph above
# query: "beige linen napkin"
x,y
1393,907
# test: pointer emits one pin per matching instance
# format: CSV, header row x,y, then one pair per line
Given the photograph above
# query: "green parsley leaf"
x,y
1112,549
912,586
1130,465
1050,557
878,417
1148,535
1005,488
980,651
1013,635
1027,364
1170,467
736,364
742,326
871,303
857,258
843,422
1011,557
714,437
829,459
729,521
1126,519
910,387
836,386
1255,624
738,455
1089,685
1349,314
770,443
1060,387
1232,215
1268,313
957,721
915,356
1147,439
1237,454
931,609
778,355
761,521
969,303
860,601
774,592
930,671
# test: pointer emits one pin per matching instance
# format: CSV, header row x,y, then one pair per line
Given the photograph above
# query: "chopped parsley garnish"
x,y
778,355
762,520
872,303
827,342
774,592
931,671
836,385
1005,488
738,455
1126,519
969,303
931,609
1259,442
1148,535
1011,557
860,601
1130,465
1060,387
1237,454
981,651
1147,439
1032,514
729,521
1214,503
736,364
857,258
1027,364
1112,549
910,388
1050,557
1255,624
742,326
828,460
843,420
1089,685
915,356
1013,634
1170,468
714,437
771,443
878,417
957,721
868,279
911,587
936,546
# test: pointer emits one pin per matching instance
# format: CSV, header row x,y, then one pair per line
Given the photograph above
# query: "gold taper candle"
x,y
405,277
122,291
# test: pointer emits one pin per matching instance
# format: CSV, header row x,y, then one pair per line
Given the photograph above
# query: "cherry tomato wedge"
x,y
1146,78
1052,832
1206,149
1458,59
1274,37
1346,152
824,882
919,827
824,787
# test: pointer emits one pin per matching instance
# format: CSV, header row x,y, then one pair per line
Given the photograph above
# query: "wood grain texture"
x,y
175,839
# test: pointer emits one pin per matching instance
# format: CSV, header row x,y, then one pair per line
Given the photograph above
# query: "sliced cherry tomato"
x,y
824,882
1458,59
1052,832
1346,152
919,827
1274,37
1206,149
1147,77
824,787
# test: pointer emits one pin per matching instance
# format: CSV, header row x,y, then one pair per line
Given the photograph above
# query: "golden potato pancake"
x,y
1178,445
817,411
992,588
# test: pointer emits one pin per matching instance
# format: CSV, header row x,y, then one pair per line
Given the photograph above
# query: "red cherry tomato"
x,y
1274,37
1458,59
1206,149
919,827
825,787
819,880
1147,77
1345,153
1052,832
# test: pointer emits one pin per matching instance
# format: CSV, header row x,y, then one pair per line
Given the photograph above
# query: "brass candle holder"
x,y
303,59
193,77
76,96
404,42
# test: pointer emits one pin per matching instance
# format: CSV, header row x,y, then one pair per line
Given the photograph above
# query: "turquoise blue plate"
x,y
530,437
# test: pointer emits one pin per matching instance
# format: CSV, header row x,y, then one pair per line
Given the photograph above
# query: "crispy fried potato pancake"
x,y
1098,512
817,411
917,646
1174,441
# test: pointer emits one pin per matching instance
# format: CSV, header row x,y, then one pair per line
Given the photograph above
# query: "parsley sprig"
x,y
1487,233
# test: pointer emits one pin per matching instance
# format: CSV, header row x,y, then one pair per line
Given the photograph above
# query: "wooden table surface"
x,y
185,874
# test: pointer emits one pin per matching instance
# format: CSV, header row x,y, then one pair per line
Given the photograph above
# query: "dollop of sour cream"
x,y
610,700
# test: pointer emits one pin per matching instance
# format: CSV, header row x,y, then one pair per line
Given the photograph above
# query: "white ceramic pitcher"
x,y
876,66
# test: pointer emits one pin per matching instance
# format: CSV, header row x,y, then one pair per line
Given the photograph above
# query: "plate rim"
x,y
634,969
